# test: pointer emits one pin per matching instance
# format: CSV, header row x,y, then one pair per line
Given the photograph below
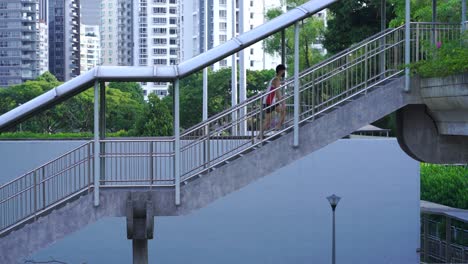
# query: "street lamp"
x,y
333,199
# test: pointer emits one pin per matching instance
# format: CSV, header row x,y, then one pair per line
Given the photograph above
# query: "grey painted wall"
x,y
282,218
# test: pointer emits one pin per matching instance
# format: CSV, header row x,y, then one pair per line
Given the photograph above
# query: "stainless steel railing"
x,y
150,162
56,181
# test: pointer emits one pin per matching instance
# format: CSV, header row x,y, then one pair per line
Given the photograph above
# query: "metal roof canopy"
x,y
158,73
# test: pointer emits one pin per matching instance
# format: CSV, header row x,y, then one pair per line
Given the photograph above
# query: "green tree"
x,y
421,11
311,32
134,89
352,21
156,119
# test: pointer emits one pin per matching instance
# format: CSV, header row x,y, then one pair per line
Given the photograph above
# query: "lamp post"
x,y
333,199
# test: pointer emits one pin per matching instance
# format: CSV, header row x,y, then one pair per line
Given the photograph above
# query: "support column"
x,y
383,26
242,74
296,85
448,239
97,163
426,240
205,70
463,15
140,224
283,47
176,142
407,45
234,71
102,128
434,19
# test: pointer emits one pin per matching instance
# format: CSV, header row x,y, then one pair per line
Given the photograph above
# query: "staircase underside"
x,y
201,191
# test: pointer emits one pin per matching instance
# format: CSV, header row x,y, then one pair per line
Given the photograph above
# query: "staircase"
x,y
218,156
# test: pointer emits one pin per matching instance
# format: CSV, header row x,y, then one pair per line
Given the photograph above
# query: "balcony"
x,y
28,47
28,57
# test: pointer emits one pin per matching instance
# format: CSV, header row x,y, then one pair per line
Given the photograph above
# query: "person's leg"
x,y
266,123
282,112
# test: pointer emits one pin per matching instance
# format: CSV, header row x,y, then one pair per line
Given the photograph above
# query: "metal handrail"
x,y
149,162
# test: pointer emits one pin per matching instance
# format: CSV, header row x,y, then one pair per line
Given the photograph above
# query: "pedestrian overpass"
x,y
140,178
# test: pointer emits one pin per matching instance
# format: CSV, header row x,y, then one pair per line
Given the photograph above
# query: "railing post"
x,y
296,85
366,71
448,239
383,26
102,129
176,142
206,146
463,16
89,168
261,119
97,167
35,195
417,42
151,169
43,188
407,45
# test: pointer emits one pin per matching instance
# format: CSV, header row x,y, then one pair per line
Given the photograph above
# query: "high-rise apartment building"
x,y
156,36
90,47
43,47
18,41
64,38
116,28
220,29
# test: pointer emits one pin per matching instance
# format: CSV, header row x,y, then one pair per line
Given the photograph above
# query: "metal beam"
x,y
407,45
296,85
176,142
97,167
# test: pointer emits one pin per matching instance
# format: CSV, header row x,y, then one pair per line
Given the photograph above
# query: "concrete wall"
x,y
283,218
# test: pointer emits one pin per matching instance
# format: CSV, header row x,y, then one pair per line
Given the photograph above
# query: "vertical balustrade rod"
x,y
97,167
407,45
296,85
176,142
242,74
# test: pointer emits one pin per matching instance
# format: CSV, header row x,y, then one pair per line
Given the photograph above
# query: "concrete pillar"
x,y
140,224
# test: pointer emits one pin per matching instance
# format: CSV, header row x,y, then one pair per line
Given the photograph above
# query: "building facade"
x,y
116,31
90,47
18,41
43,47
64,38
156,36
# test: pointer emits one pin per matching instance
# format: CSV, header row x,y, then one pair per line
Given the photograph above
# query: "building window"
x,y
160,62
222,2
222,13
173,51
173,31
159,10
159,20
160,41
251,51
251,63
159,31
251,3
159,51
173,41
251,27
222,38
222,26
251,15
172,20
172,1
223,63
159,1
173,10
173,61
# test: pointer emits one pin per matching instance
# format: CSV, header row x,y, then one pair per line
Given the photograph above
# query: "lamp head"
x,y
333,199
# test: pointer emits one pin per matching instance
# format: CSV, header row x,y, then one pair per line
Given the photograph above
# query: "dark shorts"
x,y
270,108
